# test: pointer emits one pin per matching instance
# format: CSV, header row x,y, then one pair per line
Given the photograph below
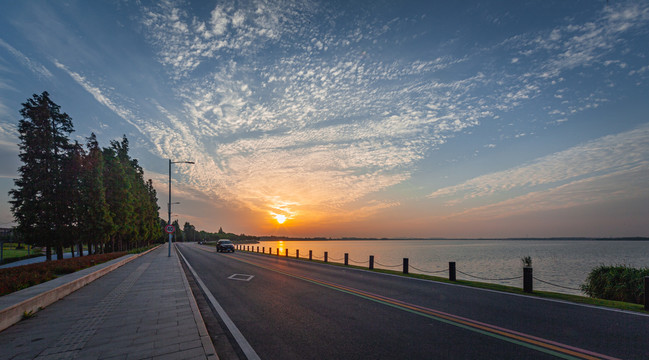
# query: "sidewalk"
x,y
142,310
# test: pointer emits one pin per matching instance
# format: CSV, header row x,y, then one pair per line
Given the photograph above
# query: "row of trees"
x,y
189,233
69,194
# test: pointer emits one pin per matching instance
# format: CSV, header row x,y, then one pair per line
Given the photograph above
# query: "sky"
x,y
353,118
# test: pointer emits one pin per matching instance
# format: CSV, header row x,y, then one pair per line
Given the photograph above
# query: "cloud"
x,y
33,66
98,94
628,184
281,115
614,156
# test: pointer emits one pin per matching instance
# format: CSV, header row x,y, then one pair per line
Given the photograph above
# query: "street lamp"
x,y
169,221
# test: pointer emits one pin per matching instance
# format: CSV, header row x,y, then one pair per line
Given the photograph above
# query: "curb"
x,y
14,313
208,346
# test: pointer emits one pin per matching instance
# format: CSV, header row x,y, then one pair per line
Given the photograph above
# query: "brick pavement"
x,y
141,310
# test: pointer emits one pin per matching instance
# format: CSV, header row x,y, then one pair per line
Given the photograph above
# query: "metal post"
x,y
169,204
257,248
646,289
451,271
310,255
277,251
527,279
297,253
286,252
326,254
405,265
371,262
346,259
169,208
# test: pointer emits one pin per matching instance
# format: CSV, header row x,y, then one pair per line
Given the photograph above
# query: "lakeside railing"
x,y
527,276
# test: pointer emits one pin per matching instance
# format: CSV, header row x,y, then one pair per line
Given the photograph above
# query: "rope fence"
x,y
559,286
390,266
359,262
527,271
488,279
429,272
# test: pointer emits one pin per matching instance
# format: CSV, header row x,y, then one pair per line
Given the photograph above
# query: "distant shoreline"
x,y
285,238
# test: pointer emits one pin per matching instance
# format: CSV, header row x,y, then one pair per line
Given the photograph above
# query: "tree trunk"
x,y
80,248
48,253
72,250
59,252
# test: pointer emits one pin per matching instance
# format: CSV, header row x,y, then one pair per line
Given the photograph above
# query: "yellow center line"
x,y
547,346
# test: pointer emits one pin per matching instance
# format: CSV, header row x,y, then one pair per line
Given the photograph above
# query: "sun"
x,y
280,218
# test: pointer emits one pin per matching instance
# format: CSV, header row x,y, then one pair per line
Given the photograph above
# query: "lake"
x,y
565,263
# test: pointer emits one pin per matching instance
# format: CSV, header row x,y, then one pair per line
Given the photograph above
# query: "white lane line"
x,y
240,339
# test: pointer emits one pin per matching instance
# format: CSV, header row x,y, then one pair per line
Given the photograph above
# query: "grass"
x,y
495,287
11,254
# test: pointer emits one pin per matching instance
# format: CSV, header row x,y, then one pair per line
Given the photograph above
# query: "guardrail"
x,y
527,276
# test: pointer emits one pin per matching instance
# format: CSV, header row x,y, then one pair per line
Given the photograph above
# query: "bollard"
x,y
451,271
297,253
405,265
371,262
277,251
286,254
646,288
263,249
346,259
257,248
310,255
527,279
326,253
270,250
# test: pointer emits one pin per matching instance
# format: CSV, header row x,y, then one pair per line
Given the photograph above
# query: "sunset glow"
x,y
353,119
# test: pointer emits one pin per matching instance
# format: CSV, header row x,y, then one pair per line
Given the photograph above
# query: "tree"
x,y
178,233
189,231
36,201
96,226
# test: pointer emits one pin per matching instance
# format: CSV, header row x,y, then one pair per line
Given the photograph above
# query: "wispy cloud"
x,y
624,155
32,65
98,94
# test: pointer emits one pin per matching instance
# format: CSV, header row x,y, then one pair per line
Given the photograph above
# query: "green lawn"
x,y
10,252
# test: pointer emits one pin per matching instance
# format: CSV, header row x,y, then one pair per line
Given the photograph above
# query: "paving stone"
x,y
138,311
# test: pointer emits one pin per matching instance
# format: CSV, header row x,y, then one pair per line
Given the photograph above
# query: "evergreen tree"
x,y
96,224
43,145
189,231
178,233
118,195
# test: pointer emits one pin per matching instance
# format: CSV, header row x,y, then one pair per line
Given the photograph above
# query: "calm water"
x,y
561,262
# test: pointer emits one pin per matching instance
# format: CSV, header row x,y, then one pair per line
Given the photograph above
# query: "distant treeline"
x,y
69,194
189,233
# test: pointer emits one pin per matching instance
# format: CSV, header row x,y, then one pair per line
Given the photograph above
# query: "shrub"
x,y
20,277
620,283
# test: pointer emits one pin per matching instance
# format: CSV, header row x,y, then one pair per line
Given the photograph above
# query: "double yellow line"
x,y
532,342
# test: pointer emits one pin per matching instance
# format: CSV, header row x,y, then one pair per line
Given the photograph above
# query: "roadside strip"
x,y
14,313
532,342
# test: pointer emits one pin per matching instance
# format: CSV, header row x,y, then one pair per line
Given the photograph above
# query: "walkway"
x,y
141,310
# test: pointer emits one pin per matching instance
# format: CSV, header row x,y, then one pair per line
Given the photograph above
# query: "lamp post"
x,y
169,221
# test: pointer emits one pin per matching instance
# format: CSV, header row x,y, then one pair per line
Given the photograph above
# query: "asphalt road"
x,y
291,309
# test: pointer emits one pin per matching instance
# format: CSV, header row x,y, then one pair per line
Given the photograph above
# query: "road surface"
x,y
291,309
